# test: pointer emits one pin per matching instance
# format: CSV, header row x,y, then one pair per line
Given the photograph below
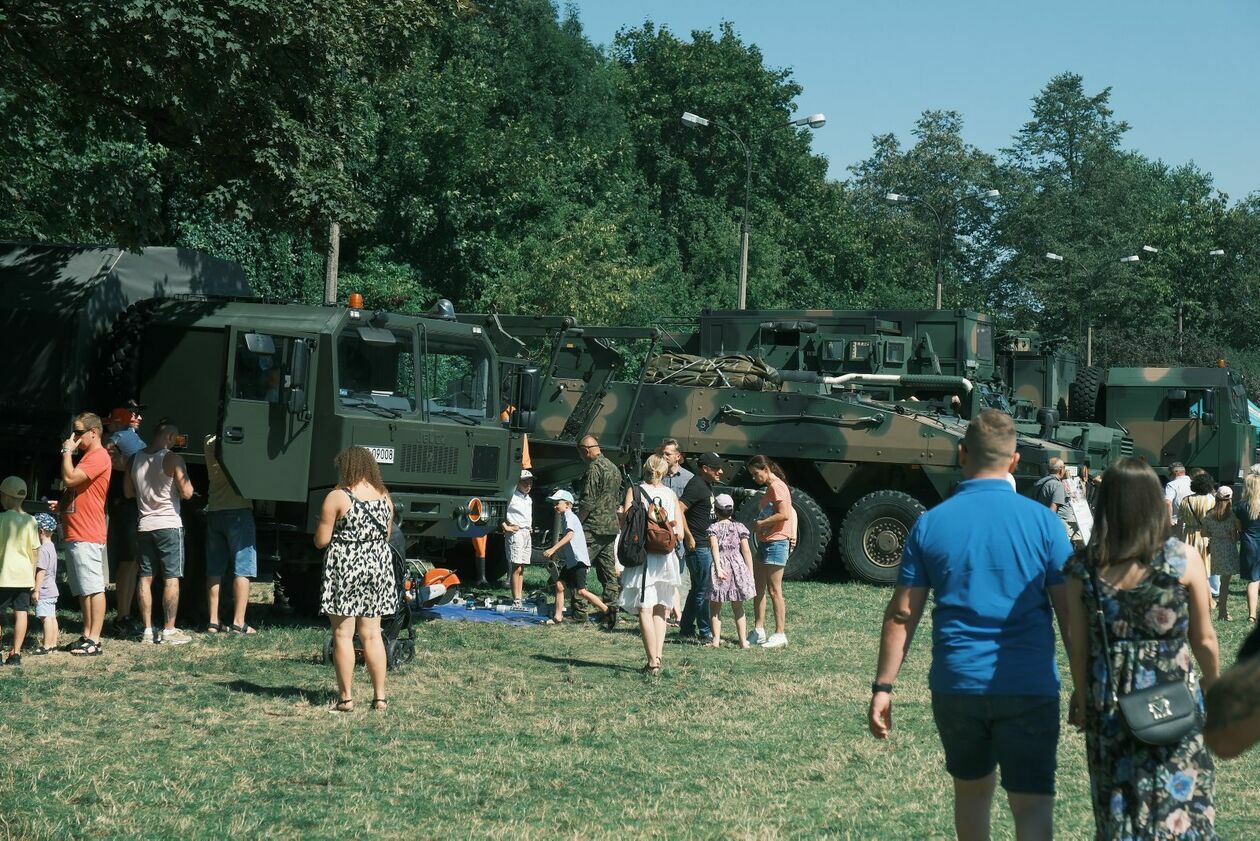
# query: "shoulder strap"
x,y
1102,627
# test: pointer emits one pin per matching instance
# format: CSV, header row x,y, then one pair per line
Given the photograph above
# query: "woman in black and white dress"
x,y
359,585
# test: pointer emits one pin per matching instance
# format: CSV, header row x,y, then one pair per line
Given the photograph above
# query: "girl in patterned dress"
x,y
731,576
359,586
1221,529
1153,594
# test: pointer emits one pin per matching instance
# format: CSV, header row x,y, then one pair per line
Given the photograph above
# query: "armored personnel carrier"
x,y
865,451
284,386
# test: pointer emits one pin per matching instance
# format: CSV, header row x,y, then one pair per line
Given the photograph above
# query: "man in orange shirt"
x,y
84,522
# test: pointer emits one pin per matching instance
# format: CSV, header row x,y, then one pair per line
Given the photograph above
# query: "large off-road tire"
x,y
300,584
813,533
874,533
1084,395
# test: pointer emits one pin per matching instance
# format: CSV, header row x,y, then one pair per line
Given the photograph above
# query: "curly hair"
x,y
357,464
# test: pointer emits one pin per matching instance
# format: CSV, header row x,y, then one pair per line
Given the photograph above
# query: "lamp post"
x,y
813,121
1181,310
897,198
1069,262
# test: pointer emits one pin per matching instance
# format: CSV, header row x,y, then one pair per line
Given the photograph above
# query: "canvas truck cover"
x,y
59,303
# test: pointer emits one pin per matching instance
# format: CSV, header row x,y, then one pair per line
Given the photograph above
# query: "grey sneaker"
x,y
757,637
174,636
775,641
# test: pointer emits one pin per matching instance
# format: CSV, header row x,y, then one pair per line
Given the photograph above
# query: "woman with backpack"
x,y
650,587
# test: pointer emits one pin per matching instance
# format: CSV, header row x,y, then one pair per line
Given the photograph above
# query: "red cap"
x,y
121,416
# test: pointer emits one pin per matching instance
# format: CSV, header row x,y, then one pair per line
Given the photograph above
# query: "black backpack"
x,y
632,545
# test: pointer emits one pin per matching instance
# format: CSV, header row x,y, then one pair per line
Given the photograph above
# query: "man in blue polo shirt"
x,y
993,560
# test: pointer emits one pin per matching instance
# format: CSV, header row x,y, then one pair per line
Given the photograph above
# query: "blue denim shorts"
x,y
231,542
45,608
1019,733
774,552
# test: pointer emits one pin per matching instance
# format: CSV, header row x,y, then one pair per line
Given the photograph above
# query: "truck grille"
x,y
1126,446
485,463
429,458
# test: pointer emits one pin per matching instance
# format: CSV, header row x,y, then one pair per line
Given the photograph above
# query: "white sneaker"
x,y
757,637
174,636
147,636
776,641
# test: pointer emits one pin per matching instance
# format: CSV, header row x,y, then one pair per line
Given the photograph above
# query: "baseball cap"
x,y
1225,492
46,522
561,495
13,486
122,415
710,460
723,502
525,474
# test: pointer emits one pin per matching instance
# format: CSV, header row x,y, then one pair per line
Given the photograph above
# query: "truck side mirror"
x,y
530,385
299,367
1207,413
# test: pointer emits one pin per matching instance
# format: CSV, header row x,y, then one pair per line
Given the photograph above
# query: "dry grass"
x,y
501,732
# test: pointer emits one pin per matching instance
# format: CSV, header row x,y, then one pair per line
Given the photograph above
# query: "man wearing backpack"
x,y
599,494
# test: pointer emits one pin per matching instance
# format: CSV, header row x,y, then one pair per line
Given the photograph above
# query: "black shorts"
x,y
15,598
1019,733
121,543
574,577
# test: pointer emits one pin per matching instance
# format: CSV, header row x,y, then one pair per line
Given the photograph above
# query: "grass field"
x,y
502,732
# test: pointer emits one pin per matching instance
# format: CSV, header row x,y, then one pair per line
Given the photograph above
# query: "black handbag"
x,y
1162,714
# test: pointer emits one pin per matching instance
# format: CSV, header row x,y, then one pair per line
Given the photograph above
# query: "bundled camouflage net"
x,y
734,371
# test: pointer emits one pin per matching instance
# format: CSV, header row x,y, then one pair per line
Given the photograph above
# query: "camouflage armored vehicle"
x,y
865,453
284,386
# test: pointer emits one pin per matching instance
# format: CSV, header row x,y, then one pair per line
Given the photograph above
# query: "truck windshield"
x,y
457,377
376,370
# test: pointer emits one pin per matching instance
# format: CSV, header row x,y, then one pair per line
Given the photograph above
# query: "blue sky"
x,y
1184,75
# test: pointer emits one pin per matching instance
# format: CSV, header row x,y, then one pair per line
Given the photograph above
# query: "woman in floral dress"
x,y
1154,597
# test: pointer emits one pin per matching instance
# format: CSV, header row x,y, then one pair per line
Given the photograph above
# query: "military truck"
x,y
865,453
284,386
1196,416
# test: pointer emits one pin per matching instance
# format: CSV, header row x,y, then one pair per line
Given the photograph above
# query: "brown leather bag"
x,y
660,529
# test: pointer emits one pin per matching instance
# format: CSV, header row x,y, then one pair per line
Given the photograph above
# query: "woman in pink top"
x,y
774,531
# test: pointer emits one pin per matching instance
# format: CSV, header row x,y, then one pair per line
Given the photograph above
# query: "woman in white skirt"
x,y
517,527
650,589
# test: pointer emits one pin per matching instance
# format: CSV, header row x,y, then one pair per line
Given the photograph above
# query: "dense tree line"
x,y
489,153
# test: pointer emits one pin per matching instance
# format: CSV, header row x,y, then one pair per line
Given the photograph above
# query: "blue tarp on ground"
x,y
460,613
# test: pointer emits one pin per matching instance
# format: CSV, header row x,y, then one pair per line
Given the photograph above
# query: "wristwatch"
x,y
878,687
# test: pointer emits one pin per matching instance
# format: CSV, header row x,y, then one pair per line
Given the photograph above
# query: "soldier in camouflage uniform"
x,y
599,494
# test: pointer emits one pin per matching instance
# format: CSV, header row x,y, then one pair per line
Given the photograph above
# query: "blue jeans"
x,y
695,618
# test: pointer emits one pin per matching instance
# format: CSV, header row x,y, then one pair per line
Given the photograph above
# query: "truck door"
x,y
1190,427
265,437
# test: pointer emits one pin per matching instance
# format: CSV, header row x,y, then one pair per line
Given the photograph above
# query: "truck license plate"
x,y
383,455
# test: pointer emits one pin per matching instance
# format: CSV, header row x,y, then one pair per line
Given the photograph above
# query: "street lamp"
x,y
813,121
1069,262
902,198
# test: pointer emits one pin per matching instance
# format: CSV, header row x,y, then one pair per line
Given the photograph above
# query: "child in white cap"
x,y
731,576
19,546
571,548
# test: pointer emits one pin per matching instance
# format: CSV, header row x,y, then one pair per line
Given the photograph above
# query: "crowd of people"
x,y
119,518
1133,605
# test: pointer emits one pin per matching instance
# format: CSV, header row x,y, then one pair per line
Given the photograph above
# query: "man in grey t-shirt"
x,y
1051,492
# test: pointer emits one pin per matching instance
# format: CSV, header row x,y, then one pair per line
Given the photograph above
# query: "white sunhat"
x,y
561,495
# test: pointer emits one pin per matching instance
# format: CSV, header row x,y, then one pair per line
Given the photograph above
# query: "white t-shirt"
x,y
520,510
1175,491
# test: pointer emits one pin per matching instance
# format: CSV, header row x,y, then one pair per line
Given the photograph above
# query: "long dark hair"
x,y
762,463
1131,522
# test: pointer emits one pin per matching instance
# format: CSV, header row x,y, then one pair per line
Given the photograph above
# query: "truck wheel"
x,y
874,533
1084,395
813,533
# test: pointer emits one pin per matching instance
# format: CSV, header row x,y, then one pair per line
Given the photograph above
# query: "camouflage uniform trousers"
x,y
604,565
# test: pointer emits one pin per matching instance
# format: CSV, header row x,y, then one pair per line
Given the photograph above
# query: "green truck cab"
x,y
1196,416
283,386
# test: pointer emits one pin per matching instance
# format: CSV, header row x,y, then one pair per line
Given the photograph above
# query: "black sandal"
x,y
380,704
345,705
86,649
